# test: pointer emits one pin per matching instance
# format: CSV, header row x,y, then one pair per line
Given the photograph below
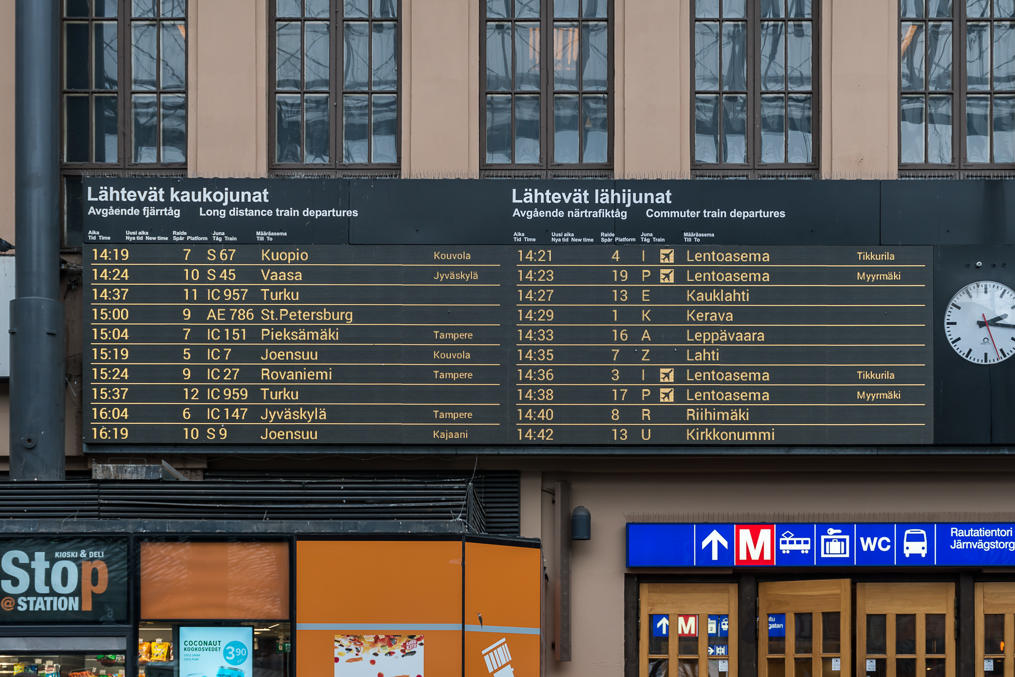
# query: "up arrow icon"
x,y
715,539
664,625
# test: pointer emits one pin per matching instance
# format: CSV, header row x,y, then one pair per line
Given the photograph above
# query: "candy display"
x,y
161,651
378,655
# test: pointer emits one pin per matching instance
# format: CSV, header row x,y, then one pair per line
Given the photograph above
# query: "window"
x,y
355,75
119,109
957,87
547,87
755,87
122,108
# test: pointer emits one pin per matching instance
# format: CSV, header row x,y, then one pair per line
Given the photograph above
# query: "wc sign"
x,y
65,581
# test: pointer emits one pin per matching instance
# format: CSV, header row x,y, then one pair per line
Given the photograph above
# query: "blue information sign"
x,y
718,625
660,625
776,625
825,544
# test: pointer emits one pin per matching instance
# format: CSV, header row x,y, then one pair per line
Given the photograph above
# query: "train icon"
x,y
788,541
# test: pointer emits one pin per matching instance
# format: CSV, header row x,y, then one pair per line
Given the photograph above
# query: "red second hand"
x,y
985,324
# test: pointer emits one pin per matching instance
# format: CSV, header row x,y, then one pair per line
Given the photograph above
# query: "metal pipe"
x,y
37,320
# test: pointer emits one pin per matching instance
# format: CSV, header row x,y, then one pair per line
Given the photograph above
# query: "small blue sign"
x,y
718,625
875,545
776,625
660,625
917,545
718,650
794,545
715,544
660,545
974,544
834,543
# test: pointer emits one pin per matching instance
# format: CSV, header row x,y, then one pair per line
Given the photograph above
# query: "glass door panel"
x,y
804,628
688,630
905,630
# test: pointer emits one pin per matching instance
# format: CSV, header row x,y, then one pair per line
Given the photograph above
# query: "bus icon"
x,y
914,542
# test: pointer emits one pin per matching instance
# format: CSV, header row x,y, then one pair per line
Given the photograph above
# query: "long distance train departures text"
x,y
332,344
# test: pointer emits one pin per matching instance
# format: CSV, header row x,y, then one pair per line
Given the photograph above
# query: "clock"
x,y
980,322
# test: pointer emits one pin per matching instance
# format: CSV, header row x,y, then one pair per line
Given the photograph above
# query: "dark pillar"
x,y
747,609
37,331
965,626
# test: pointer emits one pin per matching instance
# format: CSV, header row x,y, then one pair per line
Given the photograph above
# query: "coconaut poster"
x,y
378,655
216,652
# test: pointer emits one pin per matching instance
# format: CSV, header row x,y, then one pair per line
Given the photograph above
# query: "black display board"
x,y
203,326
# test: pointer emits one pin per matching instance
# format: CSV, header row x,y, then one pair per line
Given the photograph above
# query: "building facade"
x,y
868,532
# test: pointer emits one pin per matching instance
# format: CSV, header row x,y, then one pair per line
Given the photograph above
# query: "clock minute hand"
x,y
984,316
991,323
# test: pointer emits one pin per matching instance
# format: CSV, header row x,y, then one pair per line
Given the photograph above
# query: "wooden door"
x,y
905,630
701,621
995,630
804,628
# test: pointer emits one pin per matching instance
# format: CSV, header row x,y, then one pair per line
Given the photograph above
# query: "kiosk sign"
x,y
64,581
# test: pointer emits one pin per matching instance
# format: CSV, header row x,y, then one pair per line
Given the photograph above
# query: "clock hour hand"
x,y
993,322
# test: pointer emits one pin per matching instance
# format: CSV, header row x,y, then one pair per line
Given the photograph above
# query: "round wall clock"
x,y
980,322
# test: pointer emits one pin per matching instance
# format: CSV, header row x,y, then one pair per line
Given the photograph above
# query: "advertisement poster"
x,y
378,656
216,652
75,580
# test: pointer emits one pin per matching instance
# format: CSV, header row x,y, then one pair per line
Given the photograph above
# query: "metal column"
x,y
37,324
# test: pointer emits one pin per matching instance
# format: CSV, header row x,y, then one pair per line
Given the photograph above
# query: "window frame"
x,y
754,168
124,92
959,167
336,92
545,167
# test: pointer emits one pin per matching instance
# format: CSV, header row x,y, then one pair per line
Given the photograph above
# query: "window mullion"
x,y
752,135
548,85
960,83
513,134
337,86
370,83
926,88
158,85
125,86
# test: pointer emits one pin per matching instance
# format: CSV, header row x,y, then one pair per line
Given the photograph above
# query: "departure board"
x,y
220,340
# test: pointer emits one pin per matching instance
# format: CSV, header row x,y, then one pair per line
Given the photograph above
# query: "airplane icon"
x,y
666,275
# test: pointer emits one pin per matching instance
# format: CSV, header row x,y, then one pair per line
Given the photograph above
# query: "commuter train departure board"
x,y
222,322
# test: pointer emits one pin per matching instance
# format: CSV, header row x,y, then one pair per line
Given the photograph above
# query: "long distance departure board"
x,y
232,337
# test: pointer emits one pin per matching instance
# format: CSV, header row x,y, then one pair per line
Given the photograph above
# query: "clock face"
x,y
980,322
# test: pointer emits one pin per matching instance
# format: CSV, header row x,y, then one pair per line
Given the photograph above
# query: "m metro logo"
x,y
754,545
687,625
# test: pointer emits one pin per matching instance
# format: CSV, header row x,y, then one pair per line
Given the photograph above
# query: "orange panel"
x,y
350,588
242,581
397,582
502,609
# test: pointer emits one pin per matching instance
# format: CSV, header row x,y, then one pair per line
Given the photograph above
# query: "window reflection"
x,y
782,63
568,53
